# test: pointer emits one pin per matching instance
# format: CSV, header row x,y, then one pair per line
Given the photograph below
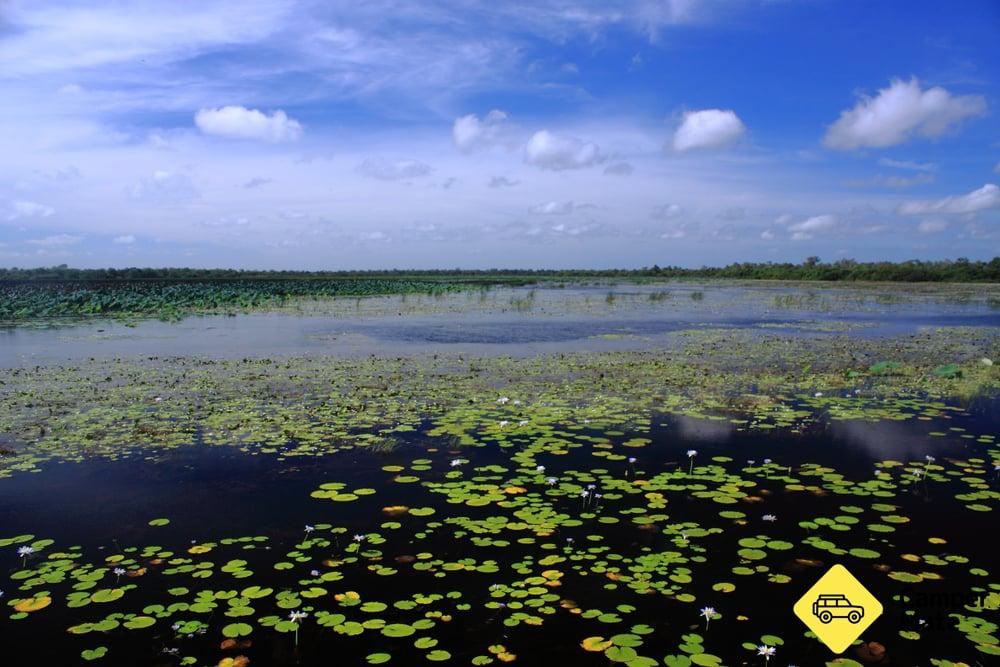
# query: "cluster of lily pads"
x,y
553,510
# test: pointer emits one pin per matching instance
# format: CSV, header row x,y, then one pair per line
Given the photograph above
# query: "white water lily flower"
x,y
551,481
456,462
766,651
296,616
503,400
309,528
692,452
503,423
708,612
24,552
770,517
359,537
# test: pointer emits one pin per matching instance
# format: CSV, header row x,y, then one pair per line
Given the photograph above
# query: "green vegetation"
x,y
171,300
812,269
59,292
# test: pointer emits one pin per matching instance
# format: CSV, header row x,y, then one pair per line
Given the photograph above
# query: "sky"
x,y
300,134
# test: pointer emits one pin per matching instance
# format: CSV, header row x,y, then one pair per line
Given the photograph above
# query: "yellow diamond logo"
x,y
838,608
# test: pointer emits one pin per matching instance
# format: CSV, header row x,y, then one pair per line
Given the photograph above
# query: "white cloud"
x,y
898,182
667,212
900,112
127,239
679,230
236,122
554,208
932,226
471,134
767,235
28,209
708,128
908,164
158,141
164,187
984,198
549,151
397,170
805,230
56,240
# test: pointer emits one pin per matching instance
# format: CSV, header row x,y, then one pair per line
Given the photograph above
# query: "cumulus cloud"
x,y
126,239
393,170
164,187
471,134
546,150
237,122
767,235
805,230
984,198
708,128
28,209
900,112
619,169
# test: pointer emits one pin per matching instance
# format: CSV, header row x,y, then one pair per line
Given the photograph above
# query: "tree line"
x,y
812,269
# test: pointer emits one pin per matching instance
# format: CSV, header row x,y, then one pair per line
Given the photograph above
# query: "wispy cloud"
x,y
984,198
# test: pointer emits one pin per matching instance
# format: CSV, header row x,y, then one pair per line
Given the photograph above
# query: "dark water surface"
x,y
212,492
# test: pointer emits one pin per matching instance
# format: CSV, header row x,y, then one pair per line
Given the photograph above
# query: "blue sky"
x,y
301,134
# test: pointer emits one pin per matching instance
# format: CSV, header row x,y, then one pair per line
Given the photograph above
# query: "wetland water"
x,y
530,508
519,321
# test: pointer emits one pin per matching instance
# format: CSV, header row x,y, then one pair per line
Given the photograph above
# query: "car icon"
x,y
828,607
